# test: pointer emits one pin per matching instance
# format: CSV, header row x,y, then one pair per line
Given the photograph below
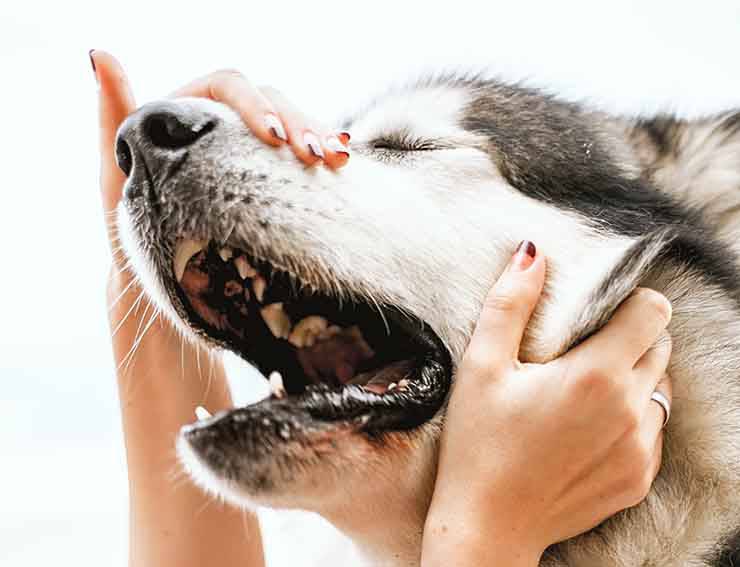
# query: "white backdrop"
x,y
62,476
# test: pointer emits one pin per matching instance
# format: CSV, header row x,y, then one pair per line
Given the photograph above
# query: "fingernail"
x,y
314,146
345,137
335,145
92,62
524,255
276,127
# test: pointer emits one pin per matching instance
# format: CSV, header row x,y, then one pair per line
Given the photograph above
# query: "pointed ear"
x,y
116,102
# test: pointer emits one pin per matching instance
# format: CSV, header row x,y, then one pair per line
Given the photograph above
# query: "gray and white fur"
x,y
447,176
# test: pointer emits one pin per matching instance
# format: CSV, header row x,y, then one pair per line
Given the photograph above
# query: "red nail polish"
x,y
344,137
92,60
528,248
524,255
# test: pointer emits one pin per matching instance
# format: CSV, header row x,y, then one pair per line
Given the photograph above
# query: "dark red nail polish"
x,y
344,137
524,256
528,248
92,60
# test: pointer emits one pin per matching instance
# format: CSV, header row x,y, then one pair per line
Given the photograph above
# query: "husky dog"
x,y
356,292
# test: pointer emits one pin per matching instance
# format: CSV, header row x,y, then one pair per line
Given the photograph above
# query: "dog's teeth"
x,y
243,267
403,383
277,388
202,413
226,253
259,285
392,386
277,320
306,330
185,250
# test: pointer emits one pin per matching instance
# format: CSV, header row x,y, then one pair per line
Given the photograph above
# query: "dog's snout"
x,y
123,156
155,130
167,130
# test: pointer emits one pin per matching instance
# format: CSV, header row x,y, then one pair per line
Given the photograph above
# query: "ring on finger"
x,y
664,403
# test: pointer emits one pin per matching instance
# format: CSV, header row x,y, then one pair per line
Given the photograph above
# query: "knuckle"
x,y
227,73
502,302
594,382
657,304
477,360
218,80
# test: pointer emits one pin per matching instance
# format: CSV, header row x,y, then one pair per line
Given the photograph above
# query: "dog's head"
x,y
360,287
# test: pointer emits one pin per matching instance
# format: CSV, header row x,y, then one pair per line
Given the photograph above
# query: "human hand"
x,y
265,111
272,118
533,454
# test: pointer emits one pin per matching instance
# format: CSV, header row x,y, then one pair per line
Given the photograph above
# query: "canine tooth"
x,y
185,250
202,413
226,253
304,332
277,320
243,267
285,432
391,386
259,285
277,388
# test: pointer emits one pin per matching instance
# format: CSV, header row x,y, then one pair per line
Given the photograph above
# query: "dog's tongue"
x,y
337,357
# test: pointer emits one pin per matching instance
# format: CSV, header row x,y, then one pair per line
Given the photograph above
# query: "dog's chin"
x,y
343,373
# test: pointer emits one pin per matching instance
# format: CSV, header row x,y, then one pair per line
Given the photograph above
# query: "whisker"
x,y
197,361
117,299
128,313
130,356
382,315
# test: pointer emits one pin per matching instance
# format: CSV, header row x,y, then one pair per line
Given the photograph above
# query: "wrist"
x,y
453,536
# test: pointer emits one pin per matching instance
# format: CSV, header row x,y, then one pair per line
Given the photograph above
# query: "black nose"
x,y
159,128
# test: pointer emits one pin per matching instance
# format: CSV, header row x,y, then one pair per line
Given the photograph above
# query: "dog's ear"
x,y
696,161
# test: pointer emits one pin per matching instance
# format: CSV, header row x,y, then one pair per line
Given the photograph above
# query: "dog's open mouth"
x,y
327,360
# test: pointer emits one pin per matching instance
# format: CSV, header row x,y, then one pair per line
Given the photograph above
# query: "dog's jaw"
x,y
386,520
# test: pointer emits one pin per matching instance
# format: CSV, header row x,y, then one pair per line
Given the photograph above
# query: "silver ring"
x,y
664,403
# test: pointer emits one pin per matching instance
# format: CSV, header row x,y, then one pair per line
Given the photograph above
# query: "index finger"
x,y
234,90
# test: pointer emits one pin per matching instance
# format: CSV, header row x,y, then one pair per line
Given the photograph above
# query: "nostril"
x,y
123,156
165,130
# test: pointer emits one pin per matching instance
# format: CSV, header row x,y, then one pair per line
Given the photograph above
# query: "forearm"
x,y
173,523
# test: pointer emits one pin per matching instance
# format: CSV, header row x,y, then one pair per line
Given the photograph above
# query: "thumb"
x,y
116,102
507,309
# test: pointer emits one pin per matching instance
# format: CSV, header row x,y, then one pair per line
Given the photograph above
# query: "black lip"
x,y
405,409
322,409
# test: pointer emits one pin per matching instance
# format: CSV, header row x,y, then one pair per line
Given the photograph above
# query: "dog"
x,y
355,293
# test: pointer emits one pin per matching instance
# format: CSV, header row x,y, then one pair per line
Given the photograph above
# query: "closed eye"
x,y
405,142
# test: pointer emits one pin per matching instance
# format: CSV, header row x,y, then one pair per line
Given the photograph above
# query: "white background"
x,y
62,475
